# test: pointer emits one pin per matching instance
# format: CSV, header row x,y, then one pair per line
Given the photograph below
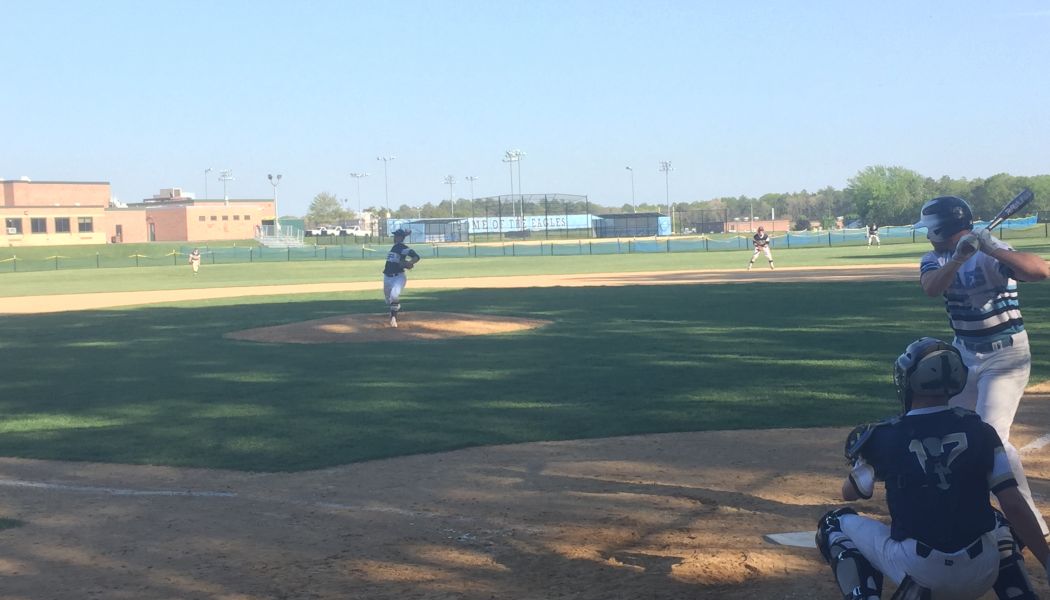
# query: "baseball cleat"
x,y
393,322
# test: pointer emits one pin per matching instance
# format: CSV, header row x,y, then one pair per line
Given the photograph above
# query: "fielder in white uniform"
x,y
939,465
977,274
761,243
873,235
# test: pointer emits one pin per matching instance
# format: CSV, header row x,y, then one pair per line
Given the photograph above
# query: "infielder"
x,y
873,235
761,242
977,275
939,465
399,258
195,260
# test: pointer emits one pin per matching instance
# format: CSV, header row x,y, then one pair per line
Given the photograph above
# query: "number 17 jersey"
x,y
939,465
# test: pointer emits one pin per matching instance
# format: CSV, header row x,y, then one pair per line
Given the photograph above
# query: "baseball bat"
x,y
1020,201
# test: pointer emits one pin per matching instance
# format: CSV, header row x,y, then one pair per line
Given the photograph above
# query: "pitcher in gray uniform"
x,y
399,258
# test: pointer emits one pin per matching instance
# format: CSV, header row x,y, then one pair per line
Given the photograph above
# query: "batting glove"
x,y
988,241
966,248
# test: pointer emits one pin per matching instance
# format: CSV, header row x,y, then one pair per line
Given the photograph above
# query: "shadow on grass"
x,y
160,385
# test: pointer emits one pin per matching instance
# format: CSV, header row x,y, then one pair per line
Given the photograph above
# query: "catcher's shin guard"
x,y
1012,583
857,578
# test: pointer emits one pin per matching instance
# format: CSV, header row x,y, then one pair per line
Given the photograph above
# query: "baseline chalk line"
x,y
1035,444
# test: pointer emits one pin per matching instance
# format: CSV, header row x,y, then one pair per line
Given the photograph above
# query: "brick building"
x,y
44,213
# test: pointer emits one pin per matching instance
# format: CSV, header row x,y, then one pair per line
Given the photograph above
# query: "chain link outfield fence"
x,y
1010,230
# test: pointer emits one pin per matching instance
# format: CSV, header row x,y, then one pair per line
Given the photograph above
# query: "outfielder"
x,y
399,258
761,242
939,465
977,275
195,260
873,235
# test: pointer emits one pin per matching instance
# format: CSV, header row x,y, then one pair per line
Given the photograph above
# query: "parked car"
x,y
353,230
318,231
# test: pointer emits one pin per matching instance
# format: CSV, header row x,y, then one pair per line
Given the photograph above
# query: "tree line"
x,y
876,194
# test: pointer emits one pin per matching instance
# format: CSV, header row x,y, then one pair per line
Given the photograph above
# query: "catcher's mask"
x,y
928,367
945,216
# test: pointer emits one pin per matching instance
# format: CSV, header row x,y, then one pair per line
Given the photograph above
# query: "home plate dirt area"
x,y
667,516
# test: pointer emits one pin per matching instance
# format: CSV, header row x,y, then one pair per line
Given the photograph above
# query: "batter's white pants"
x,y
994,388
953,576
392,286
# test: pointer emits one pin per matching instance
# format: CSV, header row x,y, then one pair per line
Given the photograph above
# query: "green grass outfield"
x,y
279,273
160,385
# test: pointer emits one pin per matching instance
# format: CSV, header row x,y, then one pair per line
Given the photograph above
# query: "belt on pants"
x,y
973,550
988,346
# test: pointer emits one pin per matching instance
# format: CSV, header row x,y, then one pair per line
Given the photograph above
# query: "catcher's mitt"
x,y
855,441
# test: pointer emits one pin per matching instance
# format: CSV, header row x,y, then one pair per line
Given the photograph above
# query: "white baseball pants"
x,y
392,286
993,390
957,576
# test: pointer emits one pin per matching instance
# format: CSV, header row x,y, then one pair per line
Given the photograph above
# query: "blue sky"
x,y
744,97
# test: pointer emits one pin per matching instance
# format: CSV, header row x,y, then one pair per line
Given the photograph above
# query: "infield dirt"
x,y
670,516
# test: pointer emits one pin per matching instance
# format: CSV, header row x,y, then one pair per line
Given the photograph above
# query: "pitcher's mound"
x,y
376,327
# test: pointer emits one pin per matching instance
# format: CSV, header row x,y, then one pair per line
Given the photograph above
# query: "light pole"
x,y
206,171
510,157
386,187
471,179
274,181
634,205
224,176
358,177
450,180
666,168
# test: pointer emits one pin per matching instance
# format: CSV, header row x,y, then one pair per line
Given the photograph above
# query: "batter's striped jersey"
x,y
982,301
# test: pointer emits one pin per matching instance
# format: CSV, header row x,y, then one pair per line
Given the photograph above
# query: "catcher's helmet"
x,y
945,216
928,367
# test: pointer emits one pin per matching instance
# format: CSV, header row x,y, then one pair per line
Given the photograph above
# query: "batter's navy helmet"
x,y
945,216
928,367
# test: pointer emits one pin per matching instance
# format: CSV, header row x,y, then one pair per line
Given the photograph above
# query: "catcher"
x,y
761,242
939,464
400,258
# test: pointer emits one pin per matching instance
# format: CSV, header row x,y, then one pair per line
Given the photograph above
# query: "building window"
x,y
225,218
61,224
14,226
214,218
236,217
247,217
38,225
201,218
85,225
